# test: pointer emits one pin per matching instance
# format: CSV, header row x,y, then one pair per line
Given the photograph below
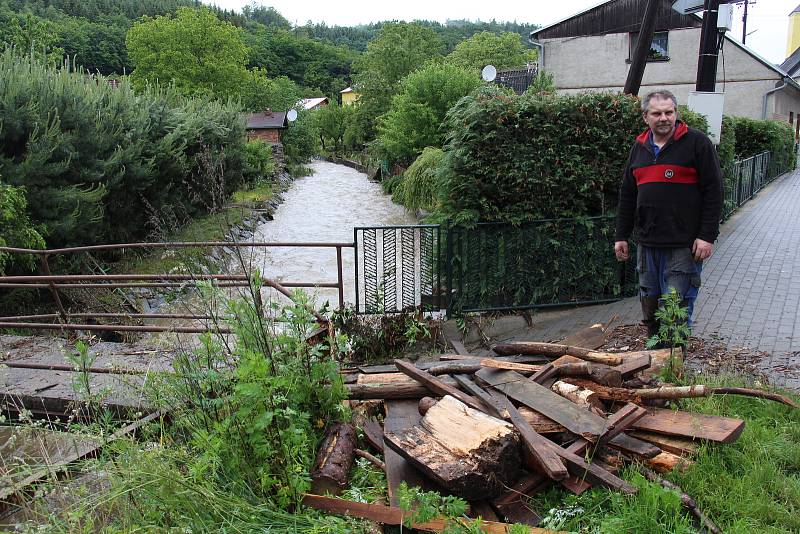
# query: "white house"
x,y
591,51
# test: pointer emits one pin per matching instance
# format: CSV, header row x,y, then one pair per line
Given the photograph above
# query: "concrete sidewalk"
x,y
751,285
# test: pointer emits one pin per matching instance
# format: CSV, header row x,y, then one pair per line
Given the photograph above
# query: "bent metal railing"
x,y
64,319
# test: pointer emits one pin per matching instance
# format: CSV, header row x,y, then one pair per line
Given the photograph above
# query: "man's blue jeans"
x,y
662,268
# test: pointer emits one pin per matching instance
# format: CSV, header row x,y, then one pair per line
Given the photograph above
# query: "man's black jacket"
x,y
672,199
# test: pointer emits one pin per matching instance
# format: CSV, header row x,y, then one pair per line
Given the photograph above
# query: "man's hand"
x,y
621,250
700,249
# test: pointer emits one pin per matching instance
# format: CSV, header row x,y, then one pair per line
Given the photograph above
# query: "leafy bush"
x,y
536,156
301,139
755,136
259,159
16,229
98,163
421,183
503,50
417,111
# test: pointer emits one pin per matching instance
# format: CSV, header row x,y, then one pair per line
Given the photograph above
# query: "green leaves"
x,y
503,50
199,53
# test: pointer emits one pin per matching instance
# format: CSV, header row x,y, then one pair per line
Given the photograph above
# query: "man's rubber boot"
x,y
649,308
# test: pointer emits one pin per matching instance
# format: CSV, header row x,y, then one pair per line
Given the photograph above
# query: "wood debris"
x,y
497,430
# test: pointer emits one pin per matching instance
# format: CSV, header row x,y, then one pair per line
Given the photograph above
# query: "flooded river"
x,y
324,207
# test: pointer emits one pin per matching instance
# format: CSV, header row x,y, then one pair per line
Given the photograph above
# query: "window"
x,y
659,46
791,117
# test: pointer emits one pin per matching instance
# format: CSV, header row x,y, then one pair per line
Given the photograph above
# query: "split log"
x,y
666,462
391,515
580,396
686,500
334,459
401,415
468,453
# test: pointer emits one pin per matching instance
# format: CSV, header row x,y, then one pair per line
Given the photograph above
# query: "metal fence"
x,y
489,266
748,177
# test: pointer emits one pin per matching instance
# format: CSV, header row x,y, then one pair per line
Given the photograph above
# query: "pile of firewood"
x,y
497,430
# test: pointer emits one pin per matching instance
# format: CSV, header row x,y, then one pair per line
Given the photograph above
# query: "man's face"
x,y
661,116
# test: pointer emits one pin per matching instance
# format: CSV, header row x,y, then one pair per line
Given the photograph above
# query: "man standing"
x,y
671,198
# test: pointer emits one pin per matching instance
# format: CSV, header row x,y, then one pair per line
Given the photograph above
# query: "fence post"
x,y
53,290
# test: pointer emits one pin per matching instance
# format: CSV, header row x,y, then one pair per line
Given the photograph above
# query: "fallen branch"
x,y
686,500
372,459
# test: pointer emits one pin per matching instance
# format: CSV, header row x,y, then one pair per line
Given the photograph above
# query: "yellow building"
x,y
349,97
793,38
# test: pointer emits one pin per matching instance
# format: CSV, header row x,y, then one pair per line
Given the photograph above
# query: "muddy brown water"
x,y
323,207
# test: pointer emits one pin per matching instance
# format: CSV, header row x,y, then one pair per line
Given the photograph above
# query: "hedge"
x,y
755,136
536,156
101,163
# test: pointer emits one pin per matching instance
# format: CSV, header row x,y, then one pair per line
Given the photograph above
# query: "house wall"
x,y
746,80
269,135
350,98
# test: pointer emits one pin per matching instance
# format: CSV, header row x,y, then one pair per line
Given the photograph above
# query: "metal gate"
x,y
398,268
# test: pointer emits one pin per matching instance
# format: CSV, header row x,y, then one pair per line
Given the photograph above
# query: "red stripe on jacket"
x,y
670,174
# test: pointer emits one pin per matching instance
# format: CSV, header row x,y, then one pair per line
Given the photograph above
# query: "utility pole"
x,y
639,59
707,62
744,21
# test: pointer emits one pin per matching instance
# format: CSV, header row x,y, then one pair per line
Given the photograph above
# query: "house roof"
x,y
347,90
266,120
614,16
796,10
792,64
311,103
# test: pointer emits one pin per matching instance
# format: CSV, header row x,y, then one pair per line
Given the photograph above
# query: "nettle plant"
x,y
673,330
256,403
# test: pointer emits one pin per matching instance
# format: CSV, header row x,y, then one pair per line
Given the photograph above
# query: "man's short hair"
x,y
661,94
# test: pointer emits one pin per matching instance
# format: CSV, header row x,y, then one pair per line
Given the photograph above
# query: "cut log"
x,y
392,386
602,374
572,417
468,453
666,462
591,337
691,425
425,404
391,515
555,350
675,445
334,459
436,385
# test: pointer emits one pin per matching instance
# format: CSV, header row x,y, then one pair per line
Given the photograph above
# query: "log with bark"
x,y
467,452
334,459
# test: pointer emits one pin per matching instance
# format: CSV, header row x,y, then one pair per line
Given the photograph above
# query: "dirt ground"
x,y
708,356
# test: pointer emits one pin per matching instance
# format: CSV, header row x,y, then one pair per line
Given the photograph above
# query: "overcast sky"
x,y
768,20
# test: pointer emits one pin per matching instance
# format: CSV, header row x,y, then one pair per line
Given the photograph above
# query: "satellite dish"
x,y
489,73
292,115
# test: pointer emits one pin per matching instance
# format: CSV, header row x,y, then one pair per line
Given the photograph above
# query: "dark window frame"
x,y
633,37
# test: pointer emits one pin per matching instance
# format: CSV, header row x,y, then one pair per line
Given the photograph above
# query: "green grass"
x,y
749,486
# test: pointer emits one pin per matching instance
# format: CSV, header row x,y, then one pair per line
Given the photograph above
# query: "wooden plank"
x,y
631,366
391,515
373,433
675,445
620,421
591,337
401,415
691,425
437,386
482,510
574,418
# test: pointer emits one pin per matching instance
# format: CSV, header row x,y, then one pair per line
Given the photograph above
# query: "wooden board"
x,y
590,337
574,418
691,425
401,415
391,515
673,444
